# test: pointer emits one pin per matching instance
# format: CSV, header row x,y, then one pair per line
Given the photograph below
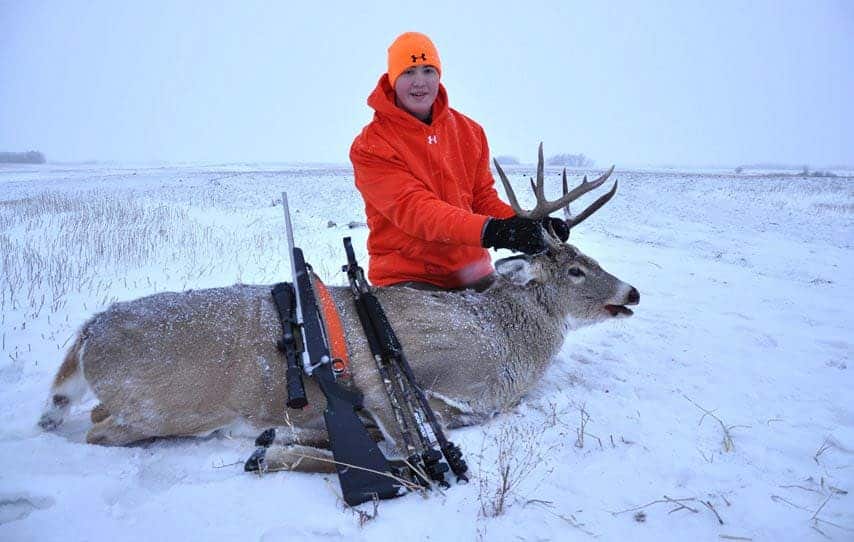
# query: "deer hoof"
x,y
257,461
266,438
50,421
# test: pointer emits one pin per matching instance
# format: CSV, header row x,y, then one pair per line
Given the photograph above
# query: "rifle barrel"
x,y
292,256
289,229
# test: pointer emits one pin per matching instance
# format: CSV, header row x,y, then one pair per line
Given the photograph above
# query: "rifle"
x,y
363,471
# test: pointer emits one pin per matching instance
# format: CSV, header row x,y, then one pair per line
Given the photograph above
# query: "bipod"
x,y
413,468
408,401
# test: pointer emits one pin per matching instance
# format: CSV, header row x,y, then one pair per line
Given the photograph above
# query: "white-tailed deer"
x,y
192,362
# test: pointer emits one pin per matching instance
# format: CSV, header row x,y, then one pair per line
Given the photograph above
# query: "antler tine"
x,y
586,187
514,203
539,189
544,207
567,214
582,216
539,192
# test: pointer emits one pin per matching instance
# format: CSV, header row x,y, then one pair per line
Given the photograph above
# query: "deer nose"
x,y
634,297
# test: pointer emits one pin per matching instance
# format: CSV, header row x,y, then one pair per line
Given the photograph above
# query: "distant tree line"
x,y
566,160
805,170
506,160
29,157
569,160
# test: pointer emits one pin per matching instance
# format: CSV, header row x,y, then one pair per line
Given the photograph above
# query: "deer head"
x,y
588,292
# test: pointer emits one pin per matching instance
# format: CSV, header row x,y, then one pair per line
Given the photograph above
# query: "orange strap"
x,y
334,328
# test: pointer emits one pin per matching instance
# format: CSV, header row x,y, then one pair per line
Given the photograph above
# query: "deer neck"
x,y
535,329
548,322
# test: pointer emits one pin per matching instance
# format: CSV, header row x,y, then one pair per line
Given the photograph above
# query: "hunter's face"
x,y
416,90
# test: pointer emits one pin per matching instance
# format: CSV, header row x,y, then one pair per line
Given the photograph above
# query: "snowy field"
x,y
723,410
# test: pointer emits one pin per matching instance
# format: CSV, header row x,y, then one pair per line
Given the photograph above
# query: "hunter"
x,y
423,171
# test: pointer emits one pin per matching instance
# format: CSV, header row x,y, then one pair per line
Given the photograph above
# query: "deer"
x,y
193,362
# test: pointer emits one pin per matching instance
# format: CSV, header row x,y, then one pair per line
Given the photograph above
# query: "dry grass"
x,y
840,208
520,458
727,442
54,245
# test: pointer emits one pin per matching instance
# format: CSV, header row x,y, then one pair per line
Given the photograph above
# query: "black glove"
x,y
519,234
558,226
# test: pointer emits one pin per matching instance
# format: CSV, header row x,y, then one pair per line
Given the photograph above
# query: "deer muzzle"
x,y
621,311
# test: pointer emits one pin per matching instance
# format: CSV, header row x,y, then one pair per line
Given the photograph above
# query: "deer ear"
x,y
517,269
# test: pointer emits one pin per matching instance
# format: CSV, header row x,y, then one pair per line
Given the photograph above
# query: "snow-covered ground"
x,y
723,410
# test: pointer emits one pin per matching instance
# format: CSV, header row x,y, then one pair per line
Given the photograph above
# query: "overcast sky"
x,y
632,83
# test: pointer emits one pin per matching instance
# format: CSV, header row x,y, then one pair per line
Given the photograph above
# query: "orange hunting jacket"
x,y
428,192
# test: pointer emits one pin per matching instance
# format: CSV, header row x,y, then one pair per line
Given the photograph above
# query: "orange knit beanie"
x,y
411,49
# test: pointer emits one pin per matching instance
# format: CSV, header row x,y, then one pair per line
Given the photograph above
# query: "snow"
x,y
729,389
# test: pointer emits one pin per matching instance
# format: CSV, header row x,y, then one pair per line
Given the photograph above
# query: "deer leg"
x,y
108,432
314,438
292,449
451,412
297,457
99,413
69,386
381,424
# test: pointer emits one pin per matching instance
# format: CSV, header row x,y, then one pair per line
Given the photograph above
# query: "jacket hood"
x,y
381,100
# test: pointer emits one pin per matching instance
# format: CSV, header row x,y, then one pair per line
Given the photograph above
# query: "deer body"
x,y
190,363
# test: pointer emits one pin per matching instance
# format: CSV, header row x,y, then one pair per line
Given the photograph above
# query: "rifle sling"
x,y
331,320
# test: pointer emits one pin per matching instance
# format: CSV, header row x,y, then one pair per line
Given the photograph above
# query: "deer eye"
x,y
575,272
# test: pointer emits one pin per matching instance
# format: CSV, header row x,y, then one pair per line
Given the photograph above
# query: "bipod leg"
x,y
451,451
411,469
430,457
455,459
434,467
416,470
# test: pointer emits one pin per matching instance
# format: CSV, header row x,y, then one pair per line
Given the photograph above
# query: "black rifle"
x,y
386,347
363,471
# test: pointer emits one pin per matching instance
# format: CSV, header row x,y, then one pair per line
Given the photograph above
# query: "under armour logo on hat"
x,y
422,57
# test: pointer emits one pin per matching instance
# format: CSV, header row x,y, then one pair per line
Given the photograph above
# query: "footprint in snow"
x,y
20,505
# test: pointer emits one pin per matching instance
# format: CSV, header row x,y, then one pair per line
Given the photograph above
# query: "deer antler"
x,y
593,207
544,207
